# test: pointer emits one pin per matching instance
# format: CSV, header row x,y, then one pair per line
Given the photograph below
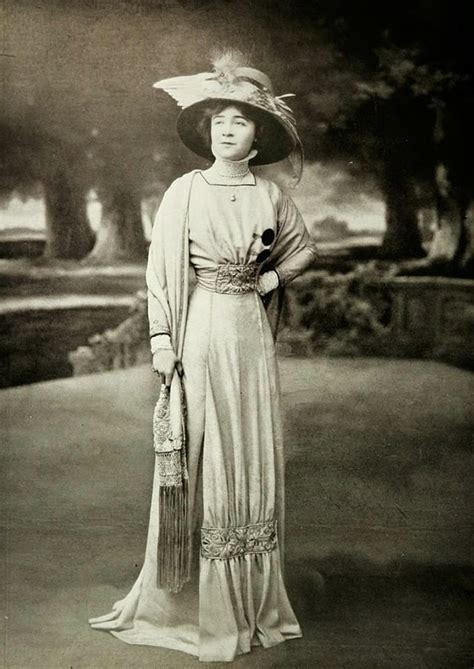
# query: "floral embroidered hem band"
x,y
222,543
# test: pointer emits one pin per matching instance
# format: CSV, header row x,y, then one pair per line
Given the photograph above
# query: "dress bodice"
x,y
249,221
231,223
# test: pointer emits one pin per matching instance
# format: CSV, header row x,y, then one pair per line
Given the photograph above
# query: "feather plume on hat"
x,y
226,61
188,89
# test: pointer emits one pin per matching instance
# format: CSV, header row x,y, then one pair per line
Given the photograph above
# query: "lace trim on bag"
x,y
163,440
172,468
169,451
236,279
222,543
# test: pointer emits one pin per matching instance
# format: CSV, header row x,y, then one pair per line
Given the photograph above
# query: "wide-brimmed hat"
x,y
249,88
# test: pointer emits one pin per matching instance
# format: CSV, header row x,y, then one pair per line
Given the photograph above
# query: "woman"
x,y
211,583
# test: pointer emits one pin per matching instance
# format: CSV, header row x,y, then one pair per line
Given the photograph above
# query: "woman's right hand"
x,y
164,363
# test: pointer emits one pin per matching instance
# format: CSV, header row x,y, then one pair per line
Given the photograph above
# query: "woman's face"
x,y
232,134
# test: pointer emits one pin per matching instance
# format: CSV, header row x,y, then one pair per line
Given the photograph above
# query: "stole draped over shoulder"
x,y
228,594
167,279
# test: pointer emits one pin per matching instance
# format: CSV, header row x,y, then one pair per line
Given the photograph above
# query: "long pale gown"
x,y
236,597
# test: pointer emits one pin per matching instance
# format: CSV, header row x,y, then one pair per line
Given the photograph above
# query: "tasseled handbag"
x,y
173,550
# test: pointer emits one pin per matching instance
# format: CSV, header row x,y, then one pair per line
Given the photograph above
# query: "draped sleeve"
x,y
159,313
167,279
167,271
294,249
293,252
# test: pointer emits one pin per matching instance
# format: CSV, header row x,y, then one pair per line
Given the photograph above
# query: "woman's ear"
x,y
259,133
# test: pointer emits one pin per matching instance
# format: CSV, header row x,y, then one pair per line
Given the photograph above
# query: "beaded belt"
x,y
230,278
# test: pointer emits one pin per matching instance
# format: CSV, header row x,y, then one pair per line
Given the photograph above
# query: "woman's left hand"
x,y
267,282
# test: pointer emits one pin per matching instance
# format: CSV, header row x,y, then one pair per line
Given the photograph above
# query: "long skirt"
x,y
236,597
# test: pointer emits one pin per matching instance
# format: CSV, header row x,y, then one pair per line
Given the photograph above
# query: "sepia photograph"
x,y
237,334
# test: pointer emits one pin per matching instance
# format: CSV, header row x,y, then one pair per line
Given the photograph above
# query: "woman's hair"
x,y
214,108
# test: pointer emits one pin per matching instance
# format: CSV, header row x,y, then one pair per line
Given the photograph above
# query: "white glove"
x,y
267,281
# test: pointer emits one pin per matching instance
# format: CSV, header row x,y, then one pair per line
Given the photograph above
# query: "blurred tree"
x,y
68,233
81,74
453,244
35,165
345,122
385,90
79,113
400,123
120,236
440,100
378,92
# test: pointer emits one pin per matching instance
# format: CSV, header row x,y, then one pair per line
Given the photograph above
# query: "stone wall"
x,y
429,318
124,346
434,317
22,248
35,342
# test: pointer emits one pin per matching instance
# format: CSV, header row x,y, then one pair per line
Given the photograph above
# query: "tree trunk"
x,y
466,258
453,243
120,236
447,237
402,238
68,233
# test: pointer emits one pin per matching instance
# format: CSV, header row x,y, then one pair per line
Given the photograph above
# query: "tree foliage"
x,y
381,89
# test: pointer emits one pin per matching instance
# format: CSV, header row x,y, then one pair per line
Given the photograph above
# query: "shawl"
x,y
167,278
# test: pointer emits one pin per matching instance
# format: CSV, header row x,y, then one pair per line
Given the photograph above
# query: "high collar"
x,y
231,171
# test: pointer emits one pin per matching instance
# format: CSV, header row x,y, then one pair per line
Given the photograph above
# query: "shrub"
x,y
343,313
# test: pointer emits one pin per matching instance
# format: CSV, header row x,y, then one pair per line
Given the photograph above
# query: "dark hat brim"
x,y
275,141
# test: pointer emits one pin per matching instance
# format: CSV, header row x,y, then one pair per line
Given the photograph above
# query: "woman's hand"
x,y
267,282
165,361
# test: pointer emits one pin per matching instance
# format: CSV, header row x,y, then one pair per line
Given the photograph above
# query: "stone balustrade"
x,y
37,333
124,346
433,317
430,317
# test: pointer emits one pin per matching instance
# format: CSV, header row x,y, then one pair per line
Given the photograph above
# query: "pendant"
x,y
233,198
